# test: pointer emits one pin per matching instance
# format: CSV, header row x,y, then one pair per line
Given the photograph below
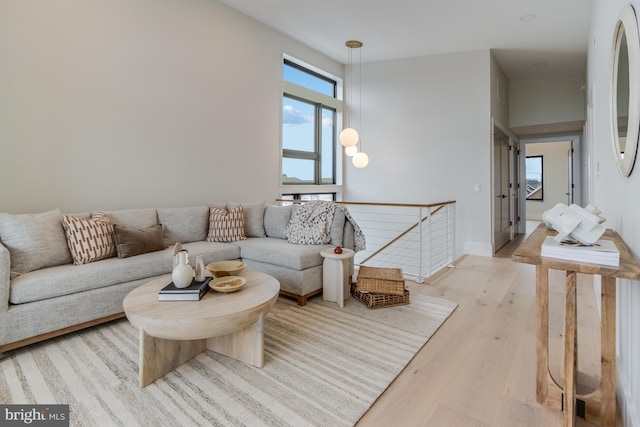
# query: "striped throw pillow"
x,y
89,239
226,226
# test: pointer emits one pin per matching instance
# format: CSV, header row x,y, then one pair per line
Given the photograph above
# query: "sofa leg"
x,y
302,300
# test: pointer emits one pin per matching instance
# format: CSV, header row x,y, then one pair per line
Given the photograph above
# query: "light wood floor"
x,y
479,368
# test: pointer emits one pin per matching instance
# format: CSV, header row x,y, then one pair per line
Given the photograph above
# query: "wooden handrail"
x,y
405,205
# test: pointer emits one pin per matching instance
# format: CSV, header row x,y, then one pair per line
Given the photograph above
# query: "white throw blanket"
x,y
311,225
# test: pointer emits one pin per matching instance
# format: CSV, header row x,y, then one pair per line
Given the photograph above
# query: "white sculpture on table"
x,y
573,222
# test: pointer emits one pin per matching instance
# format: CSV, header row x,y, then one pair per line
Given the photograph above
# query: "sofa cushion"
x,y
134,218
34,241
276,219
133,241
280,252
69,278
225,226
184,224
89,239
337,227
253,218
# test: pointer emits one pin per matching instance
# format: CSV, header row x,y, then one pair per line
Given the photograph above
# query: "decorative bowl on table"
x,y
227,283
226,268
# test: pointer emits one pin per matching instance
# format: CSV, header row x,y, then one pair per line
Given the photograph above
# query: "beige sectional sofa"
x,y
44,294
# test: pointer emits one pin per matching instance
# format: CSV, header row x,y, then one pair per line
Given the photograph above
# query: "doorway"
x,y
551,173
503,206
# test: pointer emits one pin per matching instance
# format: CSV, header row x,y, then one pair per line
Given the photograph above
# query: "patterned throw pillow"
x,y
225,226
310,223
90,239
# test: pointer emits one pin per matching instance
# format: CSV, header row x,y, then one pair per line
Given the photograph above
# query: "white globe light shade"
x,y
350,151
349,137
360,160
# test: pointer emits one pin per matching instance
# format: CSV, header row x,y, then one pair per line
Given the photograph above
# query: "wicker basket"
x,y
379,300
389,281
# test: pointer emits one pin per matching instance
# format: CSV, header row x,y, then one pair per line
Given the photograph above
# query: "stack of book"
x,y
602,252
193,292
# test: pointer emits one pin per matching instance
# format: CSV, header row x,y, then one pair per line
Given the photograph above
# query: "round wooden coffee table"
x,y
172,332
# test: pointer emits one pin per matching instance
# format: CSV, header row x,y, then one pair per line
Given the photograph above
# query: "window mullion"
x,y
318,144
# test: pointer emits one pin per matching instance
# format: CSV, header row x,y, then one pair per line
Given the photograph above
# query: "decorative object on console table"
x,y
602,252
194,292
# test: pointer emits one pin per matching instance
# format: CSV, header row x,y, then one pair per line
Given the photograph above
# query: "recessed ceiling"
x,y
530,38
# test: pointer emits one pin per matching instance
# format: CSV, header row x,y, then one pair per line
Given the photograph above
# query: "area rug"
x,y
324,366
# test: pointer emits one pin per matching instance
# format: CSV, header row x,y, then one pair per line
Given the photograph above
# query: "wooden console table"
x,y
599,406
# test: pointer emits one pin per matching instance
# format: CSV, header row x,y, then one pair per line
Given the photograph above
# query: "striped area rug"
x,y
324,366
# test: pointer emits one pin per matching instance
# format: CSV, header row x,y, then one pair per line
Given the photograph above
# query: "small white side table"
x,y
335,275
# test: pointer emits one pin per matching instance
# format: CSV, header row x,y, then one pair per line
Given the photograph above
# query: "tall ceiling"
x,y
530,38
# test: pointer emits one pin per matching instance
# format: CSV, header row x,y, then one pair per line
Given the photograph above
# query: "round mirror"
x,y
625,111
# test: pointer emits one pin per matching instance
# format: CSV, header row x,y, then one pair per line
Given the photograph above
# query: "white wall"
x,y
555,172
118,104
536,101
618,199
427,130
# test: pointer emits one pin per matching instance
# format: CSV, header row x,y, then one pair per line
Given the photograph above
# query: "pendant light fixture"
x,y
349,137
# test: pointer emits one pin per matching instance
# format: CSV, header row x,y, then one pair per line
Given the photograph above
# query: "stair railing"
x,y
418,238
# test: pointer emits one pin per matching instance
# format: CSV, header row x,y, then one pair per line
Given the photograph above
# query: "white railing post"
x,y
420,278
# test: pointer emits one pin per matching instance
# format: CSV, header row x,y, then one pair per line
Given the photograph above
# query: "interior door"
x,y
501,201
570,176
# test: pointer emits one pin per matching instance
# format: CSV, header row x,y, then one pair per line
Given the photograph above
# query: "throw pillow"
x,y
225,226
34,241
310,224
89,239
133,241
253,218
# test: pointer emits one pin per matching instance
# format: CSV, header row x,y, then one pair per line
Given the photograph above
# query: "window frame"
x,y
320,103
539,198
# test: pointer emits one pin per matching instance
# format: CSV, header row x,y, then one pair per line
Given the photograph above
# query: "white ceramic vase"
x,y
182,273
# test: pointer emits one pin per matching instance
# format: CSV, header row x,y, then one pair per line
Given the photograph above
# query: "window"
x,y
533,170
329,197
309,123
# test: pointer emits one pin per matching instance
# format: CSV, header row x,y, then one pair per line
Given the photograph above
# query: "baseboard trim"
x,y
481,249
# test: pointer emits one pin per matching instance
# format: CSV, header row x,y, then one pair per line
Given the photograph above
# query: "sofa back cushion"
x,y
34,241
337,227
276,219
134,218
253,218
184,225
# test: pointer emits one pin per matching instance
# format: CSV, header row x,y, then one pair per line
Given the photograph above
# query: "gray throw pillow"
x,y
131,241
34,241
